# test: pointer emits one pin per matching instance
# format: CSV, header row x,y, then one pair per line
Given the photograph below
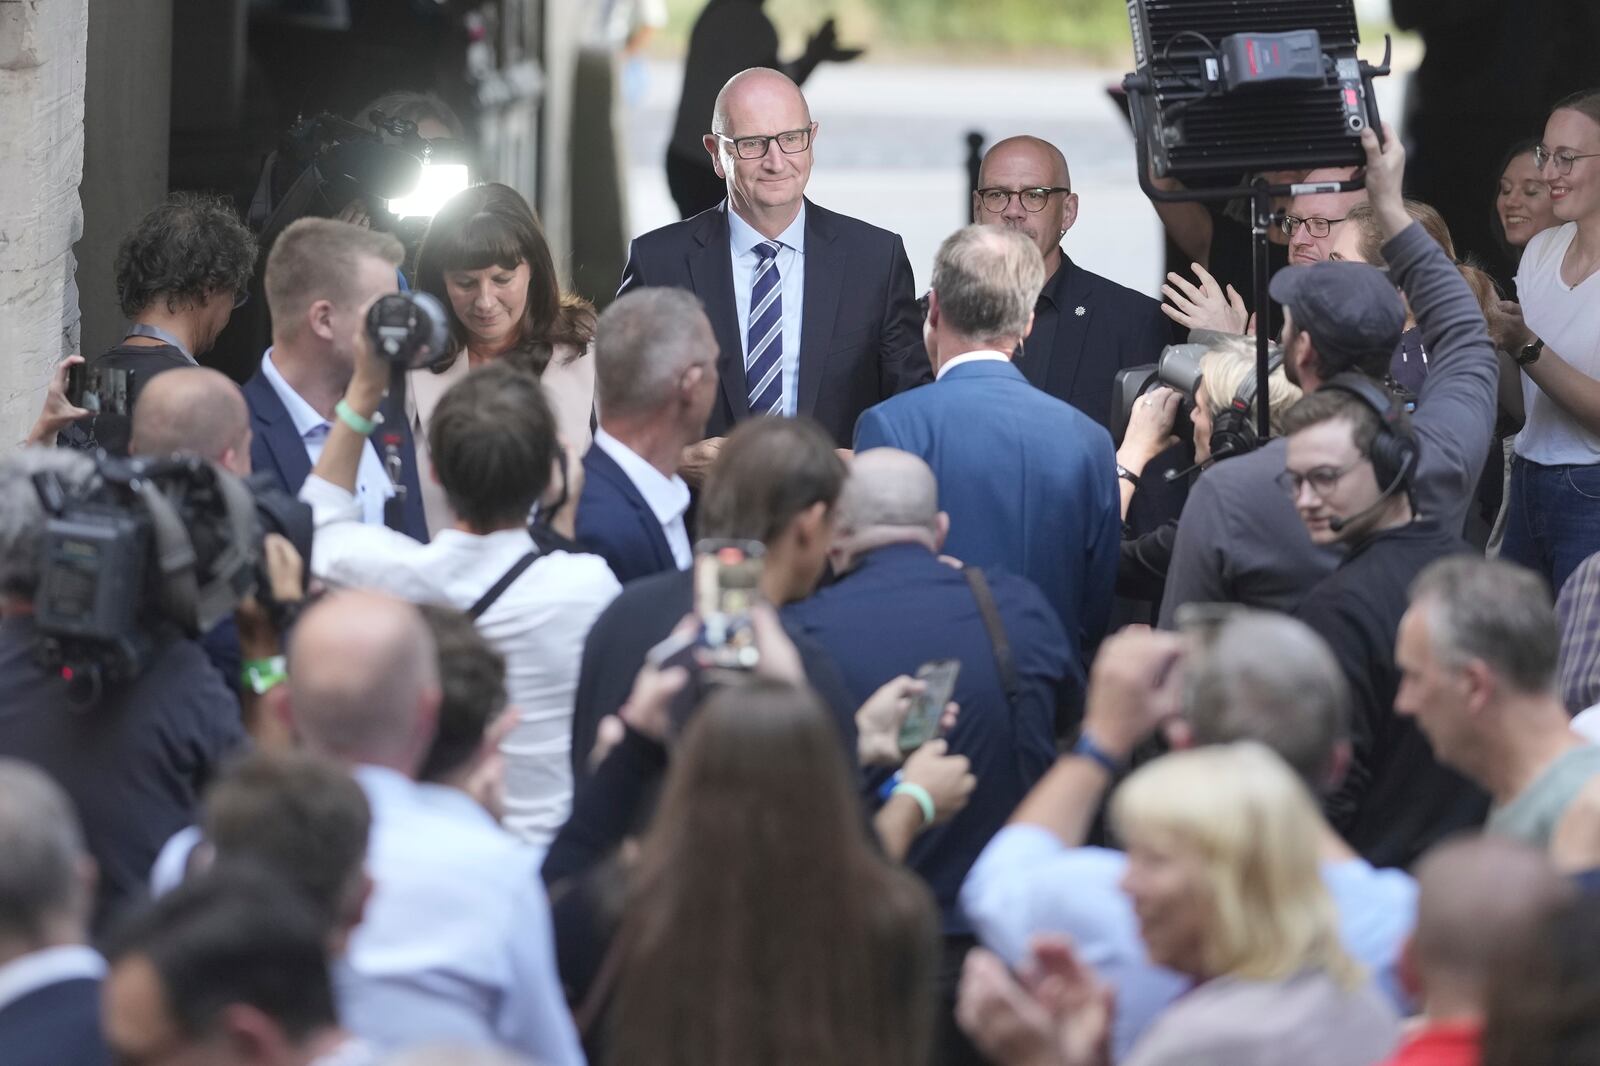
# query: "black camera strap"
x,y
498,589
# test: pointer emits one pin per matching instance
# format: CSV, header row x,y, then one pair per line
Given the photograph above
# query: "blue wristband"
x,y
887,788
1088,749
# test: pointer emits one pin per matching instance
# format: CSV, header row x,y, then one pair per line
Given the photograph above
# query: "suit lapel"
x,y
824,275
1071,331
275,429
606,469
711,278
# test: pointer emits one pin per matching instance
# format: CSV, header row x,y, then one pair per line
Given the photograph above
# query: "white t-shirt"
x,y
1567,319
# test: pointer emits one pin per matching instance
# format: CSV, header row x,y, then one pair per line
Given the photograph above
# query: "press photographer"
x,y
134,755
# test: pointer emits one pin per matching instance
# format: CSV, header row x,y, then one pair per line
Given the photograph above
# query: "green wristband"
x,y
364,426
923,797
261,675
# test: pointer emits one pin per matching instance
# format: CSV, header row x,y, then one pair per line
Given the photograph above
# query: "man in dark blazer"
x,y
49,977
1085,327
321,278
656,379
1029,482
815,312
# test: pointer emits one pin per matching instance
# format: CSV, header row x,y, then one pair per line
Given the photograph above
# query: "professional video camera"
x,y
149,549
1178,368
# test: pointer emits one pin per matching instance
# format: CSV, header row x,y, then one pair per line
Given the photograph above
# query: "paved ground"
x,y
891,149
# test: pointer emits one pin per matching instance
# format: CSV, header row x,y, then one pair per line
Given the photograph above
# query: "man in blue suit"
x,y
656,375
1029,482
321,278
49,976
814,312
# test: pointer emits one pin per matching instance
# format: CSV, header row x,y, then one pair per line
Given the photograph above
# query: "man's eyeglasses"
x,y
922,304
241,298
1033,200
1322,479
789,142
1543,157
1316,226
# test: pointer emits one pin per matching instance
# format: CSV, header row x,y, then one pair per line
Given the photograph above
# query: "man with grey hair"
x,y
455,943
1263,677
656,375
135,759
897,607
1029,482
1477,656
49,976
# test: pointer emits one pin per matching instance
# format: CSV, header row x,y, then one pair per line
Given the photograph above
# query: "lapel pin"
x,y
1080,311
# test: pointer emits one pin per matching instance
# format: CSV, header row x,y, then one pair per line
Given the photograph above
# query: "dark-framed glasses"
x,y
922,304
996,200
1543,157
790,142
1322,479
1315,225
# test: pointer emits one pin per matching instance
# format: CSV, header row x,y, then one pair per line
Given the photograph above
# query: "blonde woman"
x,y
1222,873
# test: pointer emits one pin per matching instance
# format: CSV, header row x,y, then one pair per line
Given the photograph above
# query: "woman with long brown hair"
x,y
760,926
486,259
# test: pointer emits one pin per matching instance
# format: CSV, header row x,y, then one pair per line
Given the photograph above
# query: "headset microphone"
x,y
1221,453
1338,524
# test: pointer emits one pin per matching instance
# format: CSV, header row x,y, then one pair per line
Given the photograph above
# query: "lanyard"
x,y
140,329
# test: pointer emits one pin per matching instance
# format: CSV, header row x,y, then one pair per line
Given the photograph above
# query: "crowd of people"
x,y
456,783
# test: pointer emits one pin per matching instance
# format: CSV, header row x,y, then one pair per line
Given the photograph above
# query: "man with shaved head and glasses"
x,y
814,312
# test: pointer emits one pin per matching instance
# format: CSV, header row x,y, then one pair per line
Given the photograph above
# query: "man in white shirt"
x,y
656,371
49,976
455,945
493,450
321,278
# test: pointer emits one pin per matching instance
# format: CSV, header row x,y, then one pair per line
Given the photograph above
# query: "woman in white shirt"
x,y
1554,515
485,257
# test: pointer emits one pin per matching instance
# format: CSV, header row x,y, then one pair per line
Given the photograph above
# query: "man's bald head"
x,y
196,410
1035,152
753,94
1475,897
890,497
1016,164
364,680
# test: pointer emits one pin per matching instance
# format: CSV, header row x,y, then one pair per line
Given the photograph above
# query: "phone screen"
x,y
922,722
727,582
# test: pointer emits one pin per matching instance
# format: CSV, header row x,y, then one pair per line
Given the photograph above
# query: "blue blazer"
x,y
616,523
54,1025
860,329
1030,485
275,447
899,608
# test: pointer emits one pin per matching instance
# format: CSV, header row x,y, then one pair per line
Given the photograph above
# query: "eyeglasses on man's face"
x,y
790,142
1316,225
1322,479
1563,159
996,200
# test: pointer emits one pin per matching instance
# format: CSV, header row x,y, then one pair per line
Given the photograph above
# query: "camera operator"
x,y
135,759
1239,539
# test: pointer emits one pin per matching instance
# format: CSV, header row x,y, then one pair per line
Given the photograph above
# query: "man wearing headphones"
x,y
1240,539
1351,457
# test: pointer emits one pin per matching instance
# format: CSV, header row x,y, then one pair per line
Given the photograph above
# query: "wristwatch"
x,y
1530,353
1127,475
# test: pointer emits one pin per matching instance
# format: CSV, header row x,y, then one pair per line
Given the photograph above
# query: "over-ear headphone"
x,y
1233,430
1394,450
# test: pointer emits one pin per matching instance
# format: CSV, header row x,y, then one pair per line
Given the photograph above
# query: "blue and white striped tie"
x,y
763,361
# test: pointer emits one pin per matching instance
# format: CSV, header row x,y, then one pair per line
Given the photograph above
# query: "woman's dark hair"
x,y
1496,227
1544,1003
190,246
761,926
491,225
493,441
769,471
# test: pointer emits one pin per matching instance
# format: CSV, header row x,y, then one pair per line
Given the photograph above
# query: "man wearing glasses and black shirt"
x,y
814,312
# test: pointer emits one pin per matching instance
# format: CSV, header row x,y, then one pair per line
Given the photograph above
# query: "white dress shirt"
x,y
972,357
667,497
455,945
372,482
742,240
539,624
29,973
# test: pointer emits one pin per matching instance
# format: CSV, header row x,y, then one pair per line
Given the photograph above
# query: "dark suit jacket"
x,y
899,608
615,522
639,619
275,447
54,1025
1029,483
860,330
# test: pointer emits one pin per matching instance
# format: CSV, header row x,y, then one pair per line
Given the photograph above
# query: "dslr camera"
x,y
409,330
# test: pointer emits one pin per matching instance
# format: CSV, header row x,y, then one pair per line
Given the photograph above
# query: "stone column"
x,y
42,45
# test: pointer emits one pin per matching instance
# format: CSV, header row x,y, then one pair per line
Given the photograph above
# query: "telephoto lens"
x,y
409,329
